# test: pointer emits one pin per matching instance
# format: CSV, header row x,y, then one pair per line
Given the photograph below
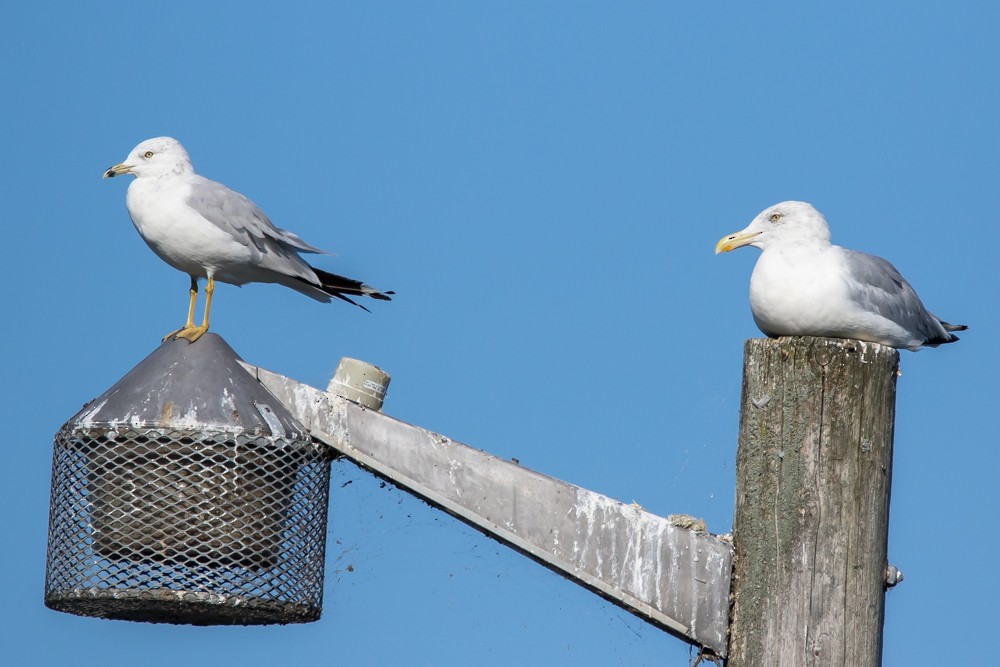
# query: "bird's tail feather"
x,y
340,287
948,326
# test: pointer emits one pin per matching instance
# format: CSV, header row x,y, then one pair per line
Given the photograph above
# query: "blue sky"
x,y
542,184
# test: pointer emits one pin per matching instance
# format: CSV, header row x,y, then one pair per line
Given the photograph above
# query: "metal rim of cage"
x,y
184,526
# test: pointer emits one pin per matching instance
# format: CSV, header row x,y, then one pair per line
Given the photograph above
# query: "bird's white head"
x,y
787,222
154,158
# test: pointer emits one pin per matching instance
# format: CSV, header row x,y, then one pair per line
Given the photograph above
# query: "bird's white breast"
x,y
178,234
792,290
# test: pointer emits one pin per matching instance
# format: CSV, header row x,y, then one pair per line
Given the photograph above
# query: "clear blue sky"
x,y
542,184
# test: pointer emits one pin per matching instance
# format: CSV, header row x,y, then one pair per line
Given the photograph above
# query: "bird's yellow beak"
x,y
734,241
117,170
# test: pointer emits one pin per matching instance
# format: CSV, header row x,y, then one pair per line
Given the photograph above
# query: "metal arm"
x,y
676,578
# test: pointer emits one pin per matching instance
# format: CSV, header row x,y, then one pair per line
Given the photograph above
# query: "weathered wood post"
x,y
813,472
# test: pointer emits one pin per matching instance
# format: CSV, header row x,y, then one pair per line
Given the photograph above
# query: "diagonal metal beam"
x,y
676,578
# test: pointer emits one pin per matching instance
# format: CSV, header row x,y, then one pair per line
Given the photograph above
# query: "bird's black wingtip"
x,y
940,340
344,297
947,336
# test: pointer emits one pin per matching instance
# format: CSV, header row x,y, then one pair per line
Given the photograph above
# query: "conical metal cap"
x,y
191,387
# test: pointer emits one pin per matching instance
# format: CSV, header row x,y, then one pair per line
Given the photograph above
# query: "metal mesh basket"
x,y
204,528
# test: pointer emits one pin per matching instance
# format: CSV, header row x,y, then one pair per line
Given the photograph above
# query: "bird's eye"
x,y
775,217
148,154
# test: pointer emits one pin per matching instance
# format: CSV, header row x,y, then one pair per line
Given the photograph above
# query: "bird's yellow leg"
x,y
194,295
189,324
191,332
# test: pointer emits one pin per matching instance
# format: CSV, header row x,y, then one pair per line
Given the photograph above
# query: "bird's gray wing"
x,y
877,285
240,218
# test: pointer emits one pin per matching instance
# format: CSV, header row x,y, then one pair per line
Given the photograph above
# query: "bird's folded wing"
x,y
241,218
876,284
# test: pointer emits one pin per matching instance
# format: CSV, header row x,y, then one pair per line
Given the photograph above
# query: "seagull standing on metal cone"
x,y
803,285
208,231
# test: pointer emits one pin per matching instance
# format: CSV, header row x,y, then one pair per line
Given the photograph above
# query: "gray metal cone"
x,y
191,386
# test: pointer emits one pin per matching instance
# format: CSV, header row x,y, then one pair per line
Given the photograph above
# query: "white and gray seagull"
x,y
208,231
803,285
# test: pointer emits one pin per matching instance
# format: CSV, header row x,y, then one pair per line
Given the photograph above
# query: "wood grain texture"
x,y
813,475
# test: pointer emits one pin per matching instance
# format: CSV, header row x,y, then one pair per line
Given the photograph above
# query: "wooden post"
x,y
813,472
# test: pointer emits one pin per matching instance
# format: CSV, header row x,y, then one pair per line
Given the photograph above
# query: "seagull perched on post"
x,y
208,231
803,285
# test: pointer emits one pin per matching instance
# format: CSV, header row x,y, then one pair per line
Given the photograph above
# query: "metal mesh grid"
x,y
187,527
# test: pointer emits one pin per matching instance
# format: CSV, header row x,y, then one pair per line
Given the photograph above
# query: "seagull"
x,y
803,285
208,231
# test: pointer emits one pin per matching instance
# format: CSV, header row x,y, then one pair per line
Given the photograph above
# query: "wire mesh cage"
x,y
203,524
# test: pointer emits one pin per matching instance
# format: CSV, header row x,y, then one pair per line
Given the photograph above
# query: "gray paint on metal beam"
x,y
671,576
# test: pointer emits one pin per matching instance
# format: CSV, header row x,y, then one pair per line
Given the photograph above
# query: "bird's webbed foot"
x,y
190,334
